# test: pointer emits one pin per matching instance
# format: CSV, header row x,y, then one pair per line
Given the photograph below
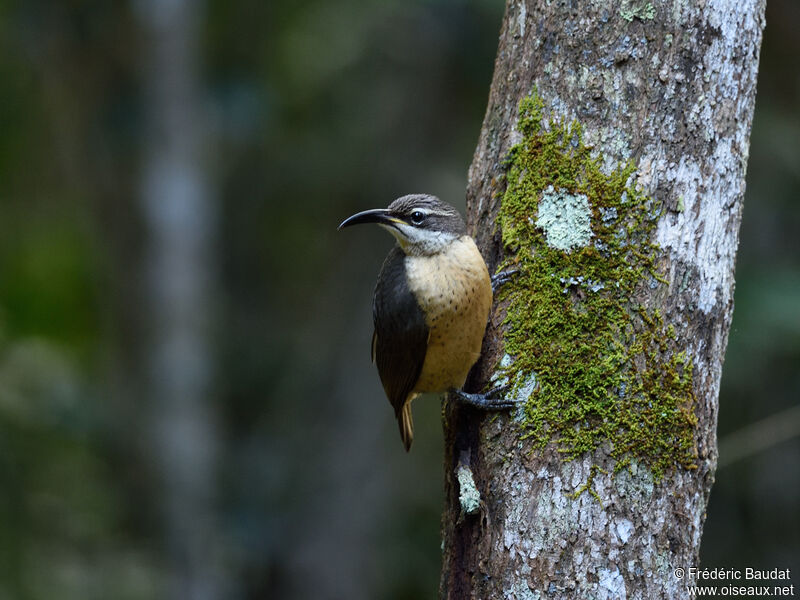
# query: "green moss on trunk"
x,y
606,366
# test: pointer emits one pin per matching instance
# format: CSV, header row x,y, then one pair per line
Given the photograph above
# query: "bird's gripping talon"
x,y
502,278
492,400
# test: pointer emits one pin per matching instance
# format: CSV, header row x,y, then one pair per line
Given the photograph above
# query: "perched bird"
x,y
431,305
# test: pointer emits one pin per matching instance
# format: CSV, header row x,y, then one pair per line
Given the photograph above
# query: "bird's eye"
x,y
417,217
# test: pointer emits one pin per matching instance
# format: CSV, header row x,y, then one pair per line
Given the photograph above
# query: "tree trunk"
x,y
179,274
608,184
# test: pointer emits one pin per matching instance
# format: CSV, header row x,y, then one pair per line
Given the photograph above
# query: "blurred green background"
x,y
278,472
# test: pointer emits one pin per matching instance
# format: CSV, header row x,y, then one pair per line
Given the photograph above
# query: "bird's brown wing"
x,y
400,340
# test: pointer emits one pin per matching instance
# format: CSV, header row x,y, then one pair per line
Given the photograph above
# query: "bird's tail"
x,y
406,424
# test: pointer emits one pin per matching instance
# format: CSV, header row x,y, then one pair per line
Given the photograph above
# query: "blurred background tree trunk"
x,y
670,88
179,276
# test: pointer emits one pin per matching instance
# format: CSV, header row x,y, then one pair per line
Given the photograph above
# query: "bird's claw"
x,y
502,278
494,399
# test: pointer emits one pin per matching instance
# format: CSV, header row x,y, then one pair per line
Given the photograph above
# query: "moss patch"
x,y
606,366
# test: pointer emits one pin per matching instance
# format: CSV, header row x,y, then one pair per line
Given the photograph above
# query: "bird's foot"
x,y
491,400
502,278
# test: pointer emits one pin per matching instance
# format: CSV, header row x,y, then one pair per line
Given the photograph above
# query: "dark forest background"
x,y
248,451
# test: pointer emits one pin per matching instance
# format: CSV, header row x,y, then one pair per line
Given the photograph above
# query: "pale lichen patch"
x,y
565,218
468,494
611,585
644,11
523,13
521,591
498,379
699,211
624,530
635,484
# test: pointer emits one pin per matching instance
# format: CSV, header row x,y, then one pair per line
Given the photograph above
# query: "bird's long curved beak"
x,y
381,216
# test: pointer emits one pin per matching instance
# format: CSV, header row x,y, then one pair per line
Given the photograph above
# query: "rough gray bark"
x,y
672,88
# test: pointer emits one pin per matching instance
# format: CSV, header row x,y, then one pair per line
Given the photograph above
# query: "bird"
x,y
430,307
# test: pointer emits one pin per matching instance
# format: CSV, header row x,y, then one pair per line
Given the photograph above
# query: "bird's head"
x,y
422,224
